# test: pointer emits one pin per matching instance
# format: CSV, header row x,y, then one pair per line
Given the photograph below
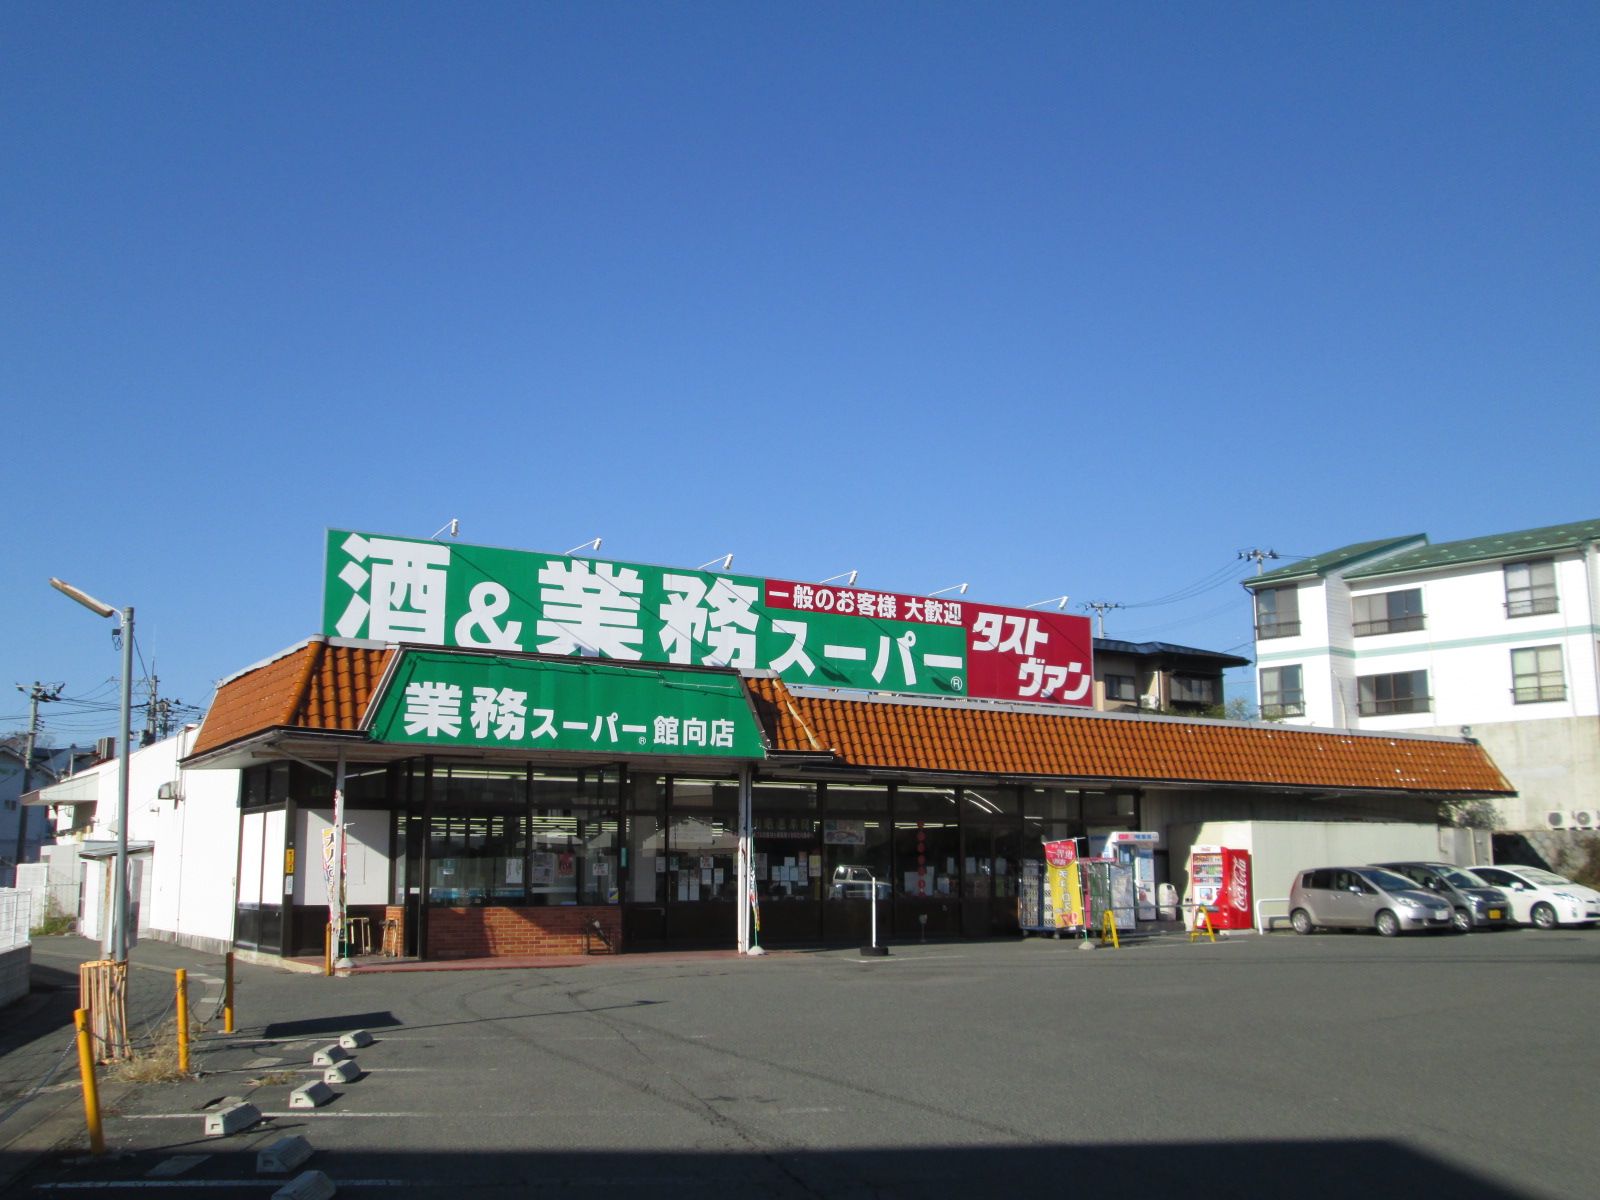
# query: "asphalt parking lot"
x,y
1321,1067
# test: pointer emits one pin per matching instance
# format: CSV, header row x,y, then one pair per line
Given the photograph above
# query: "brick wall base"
x,y
521,932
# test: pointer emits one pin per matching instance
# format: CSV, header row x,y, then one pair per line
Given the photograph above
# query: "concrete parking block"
x,y
283,1156
312,1095
309,1185
342,1072
328,1055
231,1119
356,1039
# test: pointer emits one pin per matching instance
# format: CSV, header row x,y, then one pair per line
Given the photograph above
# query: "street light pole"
x,y
116,946
119,877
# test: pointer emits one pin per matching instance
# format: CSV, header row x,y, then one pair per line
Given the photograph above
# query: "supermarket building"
x,y
500,802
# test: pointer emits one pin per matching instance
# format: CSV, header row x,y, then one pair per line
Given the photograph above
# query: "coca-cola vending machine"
x,y
1219,878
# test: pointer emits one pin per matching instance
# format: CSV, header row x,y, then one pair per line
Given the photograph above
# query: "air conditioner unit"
x,y
105,748
1555,818
1582,818
170,791
1149,701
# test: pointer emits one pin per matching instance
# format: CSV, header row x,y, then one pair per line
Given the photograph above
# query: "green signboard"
x,y
443,699
482,598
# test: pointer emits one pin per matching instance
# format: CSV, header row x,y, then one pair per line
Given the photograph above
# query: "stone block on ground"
x,y
283,1156
356,1039
308,1185
312,1095
328,1055
230,1119
342,1072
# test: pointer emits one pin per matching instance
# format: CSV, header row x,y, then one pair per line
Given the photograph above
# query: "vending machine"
x,y
1136,849
1219,878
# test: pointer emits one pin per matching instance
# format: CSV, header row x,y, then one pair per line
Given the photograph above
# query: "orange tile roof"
x,y
980,740
319,685
313,686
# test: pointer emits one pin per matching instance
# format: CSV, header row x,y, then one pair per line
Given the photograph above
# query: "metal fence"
x,y
16,910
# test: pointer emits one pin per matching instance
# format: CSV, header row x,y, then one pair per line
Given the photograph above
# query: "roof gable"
x,y
1496,547
1333,560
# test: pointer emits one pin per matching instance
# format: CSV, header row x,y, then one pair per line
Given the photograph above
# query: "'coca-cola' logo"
x,y
1239,885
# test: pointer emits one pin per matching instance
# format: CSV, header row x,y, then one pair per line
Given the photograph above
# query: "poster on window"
x,y
844,833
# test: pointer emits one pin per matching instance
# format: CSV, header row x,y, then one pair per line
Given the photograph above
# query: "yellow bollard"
x,y
327,950
183,1021
91,1092
1200,914
227,994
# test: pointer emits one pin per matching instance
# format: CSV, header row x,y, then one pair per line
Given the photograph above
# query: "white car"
x,y
1543,898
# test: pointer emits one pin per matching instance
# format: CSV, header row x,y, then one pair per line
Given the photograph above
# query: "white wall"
x,y
366,856
188,888
1279,849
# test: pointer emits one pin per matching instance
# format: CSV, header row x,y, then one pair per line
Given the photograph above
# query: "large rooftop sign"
x,y
484,598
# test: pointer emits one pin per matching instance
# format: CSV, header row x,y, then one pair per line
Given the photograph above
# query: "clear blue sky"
x,y
1049,298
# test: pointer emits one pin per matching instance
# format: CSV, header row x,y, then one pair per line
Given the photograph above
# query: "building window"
x,y
1536,675
1403,692
1194,689
1121,687
1277,612
1388,612
1530,588
1282,692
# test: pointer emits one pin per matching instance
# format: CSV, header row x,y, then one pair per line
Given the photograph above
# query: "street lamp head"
x,y
83,598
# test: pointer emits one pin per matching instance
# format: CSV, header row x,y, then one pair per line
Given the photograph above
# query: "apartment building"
x,y
1492,638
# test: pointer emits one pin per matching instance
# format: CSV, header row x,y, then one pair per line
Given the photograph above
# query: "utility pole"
x,y
1100,607
1258,557
38,692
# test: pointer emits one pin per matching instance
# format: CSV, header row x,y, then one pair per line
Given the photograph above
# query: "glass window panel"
x,y
786,857
848,866
857,798
783,797
927,857
711,795
1051,804
1537,675
1277,612
647,791
647,859
991,802
476,784
934,804
476,858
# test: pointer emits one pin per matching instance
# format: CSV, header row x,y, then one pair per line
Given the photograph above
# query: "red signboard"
x,y
1007,653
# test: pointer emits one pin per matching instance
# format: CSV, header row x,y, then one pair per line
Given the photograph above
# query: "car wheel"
x,y
1388,924
1301,920
1544,916
1462,920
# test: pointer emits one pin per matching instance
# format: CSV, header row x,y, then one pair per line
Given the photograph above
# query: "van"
x,y
1364,898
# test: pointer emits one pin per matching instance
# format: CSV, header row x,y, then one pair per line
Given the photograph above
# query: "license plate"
x,y
1494,914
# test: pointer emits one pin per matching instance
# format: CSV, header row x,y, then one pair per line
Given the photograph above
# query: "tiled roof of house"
x,y
983,740
1152,649
1321,564
326,685
1485,549
312,686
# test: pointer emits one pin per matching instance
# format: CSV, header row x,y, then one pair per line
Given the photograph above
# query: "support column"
x,y
341,929
746,779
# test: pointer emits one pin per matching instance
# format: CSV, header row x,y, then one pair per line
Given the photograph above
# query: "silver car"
x,y
1476,904
1363,898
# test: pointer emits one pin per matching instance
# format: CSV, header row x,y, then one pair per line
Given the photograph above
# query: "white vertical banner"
x,y
336,912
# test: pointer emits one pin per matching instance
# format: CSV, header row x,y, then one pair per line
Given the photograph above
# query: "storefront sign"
x,y
483,598
440,698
